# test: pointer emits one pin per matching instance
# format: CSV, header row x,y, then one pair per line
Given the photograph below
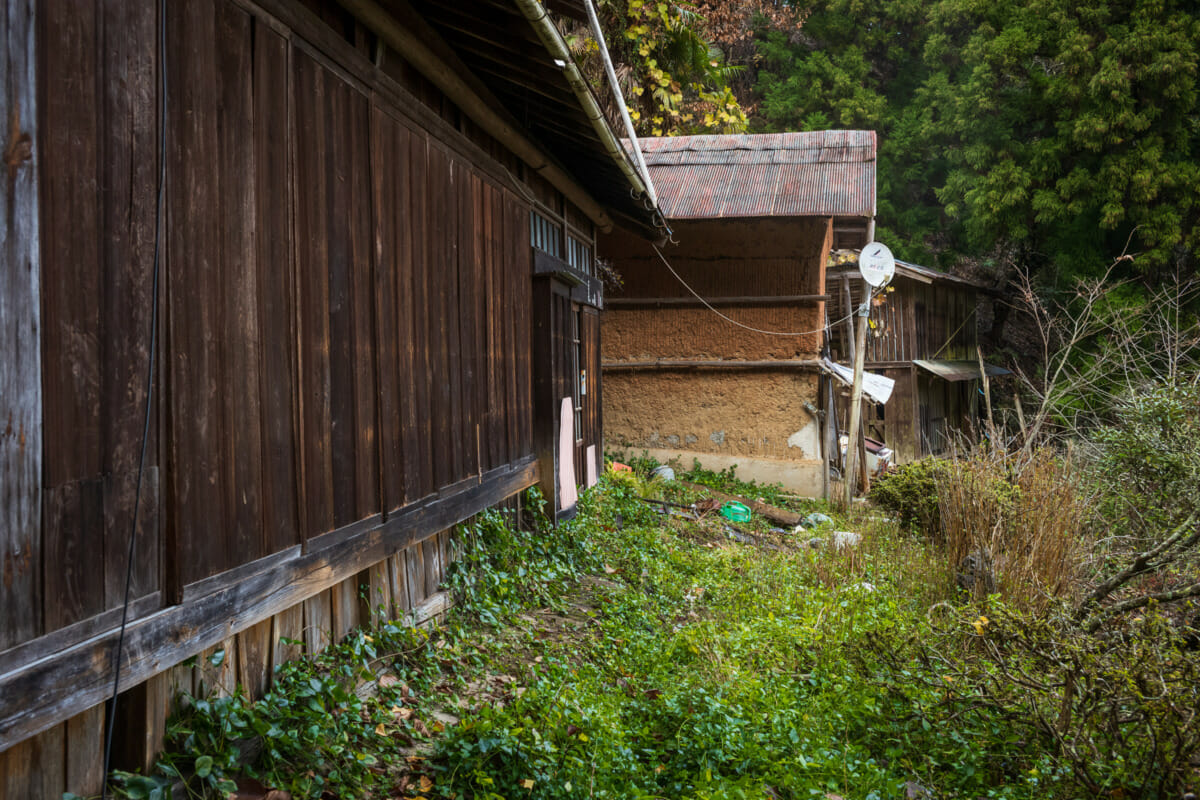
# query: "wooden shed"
x,y
369,303
923,334
711,347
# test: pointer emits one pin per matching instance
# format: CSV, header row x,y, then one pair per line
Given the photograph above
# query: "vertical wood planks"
x,y
516,283
398,574
442,331
393,320
101,129
128,169
313,295
318,622
85,752
68,117
468,310
287,627
339,419
20,338
191,290
377,606
254,658
345,607
275,261
36,767
422,307
497,445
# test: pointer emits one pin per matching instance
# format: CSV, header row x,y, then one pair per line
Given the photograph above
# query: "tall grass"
x,y
1026,515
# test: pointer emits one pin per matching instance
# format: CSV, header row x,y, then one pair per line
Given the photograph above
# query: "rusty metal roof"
x,y
959,370
845,262
817,173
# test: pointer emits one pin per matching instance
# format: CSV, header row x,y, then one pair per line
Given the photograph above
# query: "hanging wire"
x,y
734,321
137,497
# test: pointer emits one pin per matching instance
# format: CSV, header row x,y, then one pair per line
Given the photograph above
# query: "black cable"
x,y
137,498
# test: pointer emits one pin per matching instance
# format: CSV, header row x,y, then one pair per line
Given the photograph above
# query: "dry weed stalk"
x,y
1020,518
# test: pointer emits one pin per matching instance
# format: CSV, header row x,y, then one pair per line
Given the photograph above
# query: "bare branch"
x,y
1143,563
1134,603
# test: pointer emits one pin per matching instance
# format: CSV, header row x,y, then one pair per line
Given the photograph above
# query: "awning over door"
x,y
959,370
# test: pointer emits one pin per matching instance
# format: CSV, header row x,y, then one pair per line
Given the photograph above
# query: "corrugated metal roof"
x,y
816,173
959,370
847,263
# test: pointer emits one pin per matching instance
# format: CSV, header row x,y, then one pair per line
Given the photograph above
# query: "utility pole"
x,y
860,347
876,265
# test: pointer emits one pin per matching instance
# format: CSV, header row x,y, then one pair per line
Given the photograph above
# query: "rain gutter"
x,y
616,88
554,43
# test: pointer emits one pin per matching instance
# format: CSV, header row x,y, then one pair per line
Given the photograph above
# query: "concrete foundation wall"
x,y
801,477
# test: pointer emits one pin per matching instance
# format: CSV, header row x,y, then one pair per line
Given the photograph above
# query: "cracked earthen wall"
x,y
754,417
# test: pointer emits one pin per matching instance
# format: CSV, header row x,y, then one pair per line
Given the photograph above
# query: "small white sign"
x,y
877,264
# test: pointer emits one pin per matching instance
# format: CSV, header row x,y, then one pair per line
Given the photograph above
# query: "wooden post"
x,y
856,399
831,440
987,398
20,335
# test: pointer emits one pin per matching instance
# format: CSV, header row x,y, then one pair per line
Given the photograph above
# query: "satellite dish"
x,y
876,264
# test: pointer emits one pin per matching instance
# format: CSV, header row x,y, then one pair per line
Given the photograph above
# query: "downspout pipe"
x,y
409,44
616,88
557,47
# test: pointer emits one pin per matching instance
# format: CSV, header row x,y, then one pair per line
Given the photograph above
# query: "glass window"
x,y
545,234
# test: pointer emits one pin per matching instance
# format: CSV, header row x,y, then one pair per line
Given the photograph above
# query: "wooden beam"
x,y
662,363
20,337
692,302
34,697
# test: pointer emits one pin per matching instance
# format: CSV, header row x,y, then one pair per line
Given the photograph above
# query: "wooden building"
x,y
367,298
711,348
923,334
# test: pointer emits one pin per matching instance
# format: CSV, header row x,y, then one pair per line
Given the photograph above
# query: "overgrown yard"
x,y
647,650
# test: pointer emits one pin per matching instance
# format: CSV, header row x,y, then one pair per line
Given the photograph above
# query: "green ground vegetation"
x,y
648,650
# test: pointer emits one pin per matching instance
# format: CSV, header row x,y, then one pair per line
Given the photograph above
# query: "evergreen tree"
x,y
1058,128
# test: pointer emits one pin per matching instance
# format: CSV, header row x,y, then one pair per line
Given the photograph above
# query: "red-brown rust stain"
x,y
18,151
16,565
20,145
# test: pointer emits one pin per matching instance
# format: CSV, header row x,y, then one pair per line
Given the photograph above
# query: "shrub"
x,y
1114,714
1149,461
1023,515
911,493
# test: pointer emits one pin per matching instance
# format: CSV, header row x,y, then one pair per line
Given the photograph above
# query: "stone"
x,y
976,572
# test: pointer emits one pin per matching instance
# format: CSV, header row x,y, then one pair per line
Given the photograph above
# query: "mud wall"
x,y
730,413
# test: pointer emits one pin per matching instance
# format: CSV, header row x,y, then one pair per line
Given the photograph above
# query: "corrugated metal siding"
x,y
822,173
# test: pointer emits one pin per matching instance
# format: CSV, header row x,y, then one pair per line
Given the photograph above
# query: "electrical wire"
x,y
734,321
153,348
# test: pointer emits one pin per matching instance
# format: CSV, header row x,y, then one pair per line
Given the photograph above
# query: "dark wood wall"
x,y
914,320
345,303
555,356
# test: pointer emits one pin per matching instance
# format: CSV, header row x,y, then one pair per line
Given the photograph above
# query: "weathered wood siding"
x,y
68,757
20,336
914,320
344,362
